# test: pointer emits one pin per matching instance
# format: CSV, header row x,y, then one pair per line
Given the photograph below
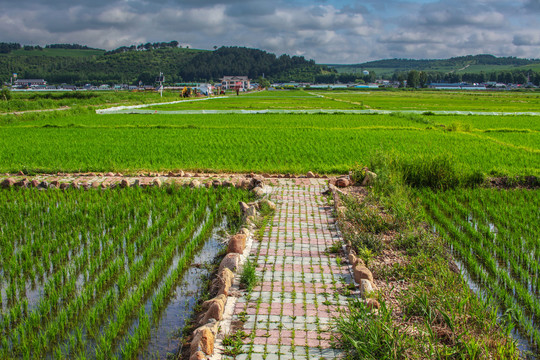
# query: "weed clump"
x,y
439,172
365,336
249,278
358,173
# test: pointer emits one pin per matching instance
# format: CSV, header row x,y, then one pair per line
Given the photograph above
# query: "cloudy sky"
x,y
328,31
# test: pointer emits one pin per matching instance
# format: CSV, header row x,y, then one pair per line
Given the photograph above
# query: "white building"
x,y
234,82
29,82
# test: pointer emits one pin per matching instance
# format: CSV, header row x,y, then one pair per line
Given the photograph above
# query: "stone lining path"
x,y
289,314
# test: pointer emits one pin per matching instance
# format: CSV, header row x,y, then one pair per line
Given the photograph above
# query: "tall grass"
x,y
438,172
365,335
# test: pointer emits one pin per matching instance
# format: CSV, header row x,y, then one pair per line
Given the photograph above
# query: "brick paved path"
x,y
289,314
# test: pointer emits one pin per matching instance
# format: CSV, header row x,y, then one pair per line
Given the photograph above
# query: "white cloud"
x,y
116,16
324,30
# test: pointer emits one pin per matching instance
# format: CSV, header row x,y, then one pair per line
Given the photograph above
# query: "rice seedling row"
x,y
92,261
494,234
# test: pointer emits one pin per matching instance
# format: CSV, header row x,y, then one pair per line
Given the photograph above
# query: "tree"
x,y
422,79
401,78
413,79
264,83
372,76
146,78
520,78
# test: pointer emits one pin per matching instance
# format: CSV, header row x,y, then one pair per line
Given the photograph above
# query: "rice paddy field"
x,y
105,274
33,101
441,100
494,237
496,101
108,274
80,140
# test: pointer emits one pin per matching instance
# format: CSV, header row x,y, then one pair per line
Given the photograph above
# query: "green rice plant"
x,y
282,143
88,277
457,126
461,217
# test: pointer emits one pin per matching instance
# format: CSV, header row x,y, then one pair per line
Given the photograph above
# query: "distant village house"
x,y
234,82
29,82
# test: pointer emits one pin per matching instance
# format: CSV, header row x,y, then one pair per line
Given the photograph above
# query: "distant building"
x,y
233,82
328,86
366,86
29,82
445,86
473,87
456,86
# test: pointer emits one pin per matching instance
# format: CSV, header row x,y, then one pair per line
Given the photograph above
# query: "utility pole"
x,y
161,79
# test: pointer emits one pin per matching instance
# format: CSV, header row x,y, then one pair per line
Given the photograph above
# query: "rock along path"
x,y
289,314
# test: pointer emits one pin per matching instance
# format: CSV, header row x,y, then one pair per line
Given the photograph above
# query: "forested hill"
x,y
469,63
250,62
77,65
426,64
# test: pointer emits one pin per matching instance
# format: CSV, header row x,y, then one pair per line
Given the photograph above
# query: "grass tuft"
x,y
249,278
368,336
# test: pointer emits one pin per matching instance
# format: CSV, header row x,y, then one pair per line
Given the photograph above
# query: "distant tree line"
x,y
345,78
420,79
6,48
69,46
148,46
143,62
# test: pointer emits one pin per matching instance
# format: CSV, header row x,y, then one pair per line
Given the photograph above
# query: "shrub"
x,y
5,94
366,216
474,179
